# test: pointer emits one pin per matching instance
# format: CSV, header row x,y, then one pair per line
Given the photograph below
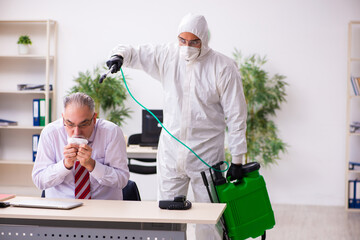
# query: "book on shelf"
x,y
4,197
354,165
354,193
35,142
42,112
355,127
4,122
25,87
357,86
36,117
355,83
39,106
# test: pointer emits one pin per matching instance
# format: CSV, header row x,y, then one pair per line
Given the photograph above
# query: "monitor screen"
x,y
151,128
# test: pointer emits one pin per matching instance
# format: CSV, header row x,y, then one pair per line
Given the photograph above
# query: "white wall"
x,y
305,40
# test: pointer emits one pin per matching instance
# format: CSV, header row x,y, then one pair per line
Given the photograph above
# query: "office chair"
x,y
140,169
130,192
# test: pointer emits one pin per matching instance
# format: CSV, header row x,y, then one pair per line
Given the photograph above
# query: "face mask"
x,y
189,53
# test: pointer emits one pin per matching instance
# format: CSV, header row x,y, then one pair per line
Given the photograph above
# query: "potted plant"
x,y
263,95
24,43
109,97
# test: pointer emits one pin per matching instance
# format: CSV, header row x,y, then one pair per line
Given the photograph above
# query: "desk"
x,y
104,219
135,151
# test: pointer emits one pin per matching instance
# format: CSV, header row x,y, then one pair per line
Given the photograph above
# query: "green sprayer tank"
x,y
248,210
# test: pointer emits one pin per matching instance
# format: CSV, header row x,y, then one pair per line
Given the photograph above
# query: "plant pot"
x,y
23,49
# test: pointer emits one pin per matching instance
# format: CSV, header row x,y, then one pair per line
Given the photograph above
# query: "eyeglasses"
x,y
191,43
82,125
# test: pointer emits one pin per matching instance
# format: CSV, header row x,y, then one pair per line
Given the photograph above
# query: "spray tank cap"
x,y
250,167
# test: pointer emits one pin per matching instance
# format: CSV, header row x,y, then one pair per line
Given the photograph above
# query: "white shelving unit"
x,y
38,67
352,109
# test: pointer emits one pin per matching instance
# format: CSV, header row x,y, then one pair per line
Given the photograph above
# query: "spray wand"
x,y
106,74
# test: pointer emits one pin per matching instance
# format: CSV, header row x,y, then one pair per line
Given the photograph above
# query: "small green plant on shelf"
x,y
109,97
264,95
24,43
25,40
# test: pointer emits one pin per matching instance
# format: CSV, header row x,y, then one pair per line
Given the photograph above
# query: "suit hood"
x,y
197,25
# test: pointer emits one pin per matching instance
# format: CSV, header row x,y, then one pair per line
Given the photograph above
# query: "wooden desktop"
x,y
104,219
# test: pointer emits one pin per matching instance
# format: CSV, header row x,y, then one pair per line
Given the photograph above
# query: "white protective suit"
x,y
200,98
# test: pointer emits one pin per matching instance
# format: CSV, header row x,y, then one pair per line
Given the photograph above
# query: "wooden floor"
x,y
294,222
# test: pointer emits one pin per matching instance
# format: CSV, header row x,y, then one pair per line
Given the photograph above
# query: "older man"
x,y
80,156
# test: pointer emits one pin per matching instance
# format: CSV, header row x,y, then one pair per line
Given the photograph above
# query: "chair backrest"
x,y
131,192
139,169
134,139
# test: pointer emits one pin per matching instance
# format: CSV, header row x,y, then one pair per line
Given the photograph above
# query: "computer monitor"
x,y
151,128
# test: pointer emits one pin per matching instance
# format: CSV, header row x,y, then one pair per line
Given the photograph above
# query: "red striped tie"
x,y
82,182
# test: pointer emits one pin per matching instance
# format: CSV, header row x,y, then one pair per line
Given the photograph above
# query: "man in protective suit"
x,y
203,94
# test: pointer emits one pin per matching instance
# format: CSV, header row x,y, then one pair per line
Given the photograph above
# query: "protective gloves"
x,y
234,172
116,61
238,171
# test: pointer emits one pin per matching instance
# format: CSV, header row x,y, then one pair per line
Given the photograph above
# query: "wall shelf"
x,y
37,68
352,112
33,57
16,162
21,127
24,92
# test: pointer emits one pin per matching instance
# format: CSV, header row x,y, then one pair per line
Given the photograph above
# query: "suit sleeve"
x,y
235,110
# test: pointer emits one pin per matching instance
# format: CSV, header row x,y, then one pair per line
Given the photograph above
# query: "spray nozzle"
x,y
102,78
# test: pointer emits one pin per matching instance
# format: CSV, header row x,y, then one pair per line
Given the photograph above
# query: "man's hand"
x,y
70,153
234,172
115,61
84,156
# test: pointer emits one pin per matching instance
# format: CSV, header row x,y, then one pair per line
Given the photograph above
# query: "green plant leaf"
x,y
24,39
264,95
109,97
